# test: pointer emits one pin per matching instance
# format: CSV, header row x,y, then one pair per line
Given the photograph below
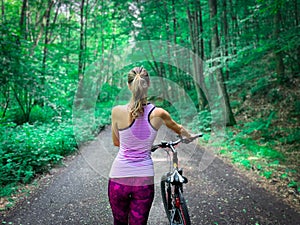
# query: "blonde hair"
x,y
138,79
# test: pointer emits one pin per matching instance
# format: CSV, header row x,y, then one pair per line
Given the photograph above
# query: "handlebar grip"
x,y
188,140
199,135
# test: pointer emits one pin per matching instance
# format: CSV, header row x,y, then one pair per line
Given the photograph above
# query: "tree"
x,y
277,52
196,31
82,42
215,43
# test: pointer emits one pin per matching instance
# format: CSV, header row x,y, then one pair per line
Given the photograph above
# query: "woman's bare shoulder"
x,y
119,109
160,112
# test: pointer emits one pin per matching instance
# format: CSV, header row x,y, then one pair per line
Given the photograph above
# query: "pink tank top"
x,y
134,156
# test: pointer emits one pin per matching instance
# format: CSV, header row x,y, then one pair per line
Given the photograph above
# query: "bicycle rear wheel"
x,y
165,196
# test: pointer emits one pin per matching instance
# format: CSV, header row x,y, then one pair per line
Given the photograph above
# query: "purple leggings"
x,y
131,199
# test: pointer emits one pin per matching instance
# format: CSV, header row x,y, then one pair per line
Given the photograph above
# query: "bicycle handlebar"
x,y
170,144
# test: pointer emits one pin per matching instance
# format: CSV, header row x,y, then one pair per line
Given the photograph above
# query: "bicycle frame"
x,y
175,182
172,186
176,177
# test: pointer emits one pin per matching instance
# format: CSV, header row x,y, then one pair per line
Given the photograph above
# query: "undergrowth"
x,y
31,149
266,138
255,155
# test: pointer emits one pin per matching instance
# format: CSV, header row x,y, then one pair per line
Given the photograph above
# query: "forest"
x,y
227,68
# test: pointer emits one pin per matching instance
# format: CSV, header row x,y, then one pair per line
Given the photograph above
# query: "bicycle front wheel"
x,y
184,211
180,214
166,198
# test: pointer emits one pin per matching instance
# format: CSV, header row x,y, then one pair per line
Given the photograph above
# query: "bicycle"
x,y
172,185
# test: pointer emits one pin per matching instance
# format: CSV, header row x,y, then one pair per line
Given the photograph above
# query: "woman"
x,y
134,128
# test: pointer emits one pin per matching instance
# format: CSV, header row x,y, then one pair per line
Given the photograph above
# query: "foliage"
x,y
202,122
31,149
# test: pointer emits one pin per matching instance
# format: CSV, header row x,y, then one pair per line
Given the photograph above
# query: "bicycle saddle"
x,y
177,178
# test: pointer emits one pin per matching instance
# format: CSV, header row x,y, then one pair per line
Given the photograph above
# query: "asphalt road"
x,y
76,193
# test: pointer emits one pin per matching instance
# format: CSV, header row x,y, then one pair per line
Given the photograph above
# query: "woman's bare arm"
x,y
171,124
114,127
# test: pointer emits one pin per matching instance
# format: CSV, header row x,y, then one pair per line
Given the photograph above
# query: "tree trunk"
x,y
158,69
215,43
21,89
278,54
23,16
102,33
297,25
225,27
203,89
201,31
6,94
196,28
69,38
54,21
47,36
85,36
177,73
168,38
81,45
234,27
43,25
2,11
45,52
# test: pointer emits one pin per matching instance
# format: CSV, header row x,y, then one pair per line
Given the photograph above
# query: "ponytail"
x,y
138,79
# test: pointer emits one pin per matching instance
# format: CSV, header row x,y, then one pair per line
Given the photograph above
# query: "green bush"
x,y
37,114
33,148
261,126
42,115
28,150
261,87
258,150
107,93
202,122
292,137
297,108
274,95
16,116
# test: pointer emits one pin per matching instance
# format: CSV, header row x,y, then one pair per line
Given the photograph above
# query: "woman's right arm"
x,y
114,127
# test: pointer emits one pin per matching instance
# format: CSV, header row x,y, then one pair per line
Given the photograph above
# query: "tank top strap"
x,y
148,110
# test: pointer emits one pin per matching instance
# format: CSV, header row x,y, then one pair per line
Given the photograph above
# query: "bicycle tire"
x,y
164,195
184,210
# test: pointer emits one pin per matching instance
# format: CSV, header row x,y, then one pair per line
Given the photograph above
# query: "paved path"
x,y
77,192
